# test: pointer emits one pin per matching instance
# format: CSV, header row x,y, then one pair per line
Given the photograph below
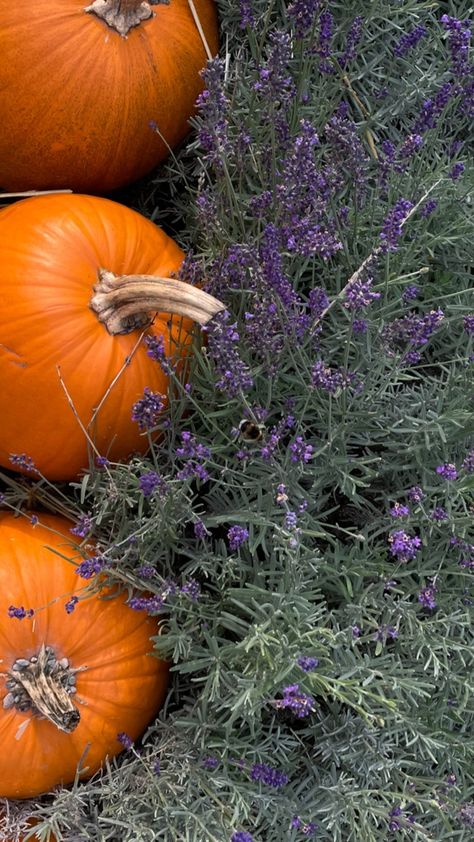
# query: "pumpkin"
x,y
71,374
93,96
101,651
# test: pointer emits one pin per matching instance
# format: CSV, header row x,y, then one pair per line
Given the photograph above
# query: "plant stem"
x,y
121,15
124,302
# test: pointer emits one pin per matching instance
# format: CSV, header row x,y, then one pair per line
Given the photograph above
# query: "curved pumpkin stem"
x,y
121,15
124,302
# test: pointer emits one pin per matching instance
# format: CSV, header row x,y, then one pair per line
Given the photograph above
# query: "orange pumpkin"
x,y
52,249
102,650
80,97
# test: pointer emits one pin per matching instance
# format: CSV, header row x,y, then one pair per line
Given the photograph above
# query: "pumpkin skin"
x,y
51,248
122,687
78,99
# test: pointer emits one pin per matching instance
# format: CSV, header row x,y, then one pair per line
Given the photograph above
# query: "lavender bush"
x,y
304,524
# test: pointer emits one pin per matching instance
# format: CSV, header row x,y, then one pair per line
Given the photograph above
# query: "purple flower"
x,y
71,604
384,632
329,379
466,814
456,171
426,596
428,207
146,571
156,350
21,460
267,775
152,604
403,546
191,588
345,153
200,530
303,192
291,520
234,375
210,763
102,461
468,322
271,444
307,663
303,15
20,613
447,471
150,482
359,326
359,294
246,14
300,451
438,514
147,410
156,768
83,526
191,449
410,293
399,510
213,106
356,632
392,227
410,146
281,495
301,704
90,567
394,823
272,268
125,740
432,109
275,83
458,39
352,41
326,26
195,454
412,330
236,536
241,836
410,40
468,463
416,494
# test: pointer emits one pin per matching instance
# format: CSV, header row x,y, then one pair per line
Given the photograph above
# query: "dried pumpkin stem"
x,y
127,302
121,15
44,685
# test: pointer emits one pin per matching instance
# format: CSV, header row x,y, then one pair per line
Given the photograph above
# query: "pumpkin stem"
x,y
121,15
124,302
44,685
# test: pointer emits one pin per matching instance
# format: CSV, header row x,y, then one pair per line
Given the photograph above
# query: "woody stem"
x,y
126,302
121,15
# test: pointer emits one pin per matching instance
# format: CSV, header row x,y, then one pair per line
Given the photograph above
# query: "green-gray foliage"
x,y
393,688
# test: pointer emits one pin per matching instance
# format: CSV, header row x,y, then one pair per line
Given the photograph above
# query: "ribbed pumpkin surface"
x,y
77,99
122,686
51,248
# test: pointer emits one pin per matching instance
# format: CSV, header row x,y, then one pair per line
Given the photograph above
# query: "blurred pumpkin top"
x,y
94,96
71,320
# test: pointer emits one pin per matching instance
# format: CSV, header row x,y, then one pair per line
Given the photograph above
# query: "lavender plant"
x,y
303,525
